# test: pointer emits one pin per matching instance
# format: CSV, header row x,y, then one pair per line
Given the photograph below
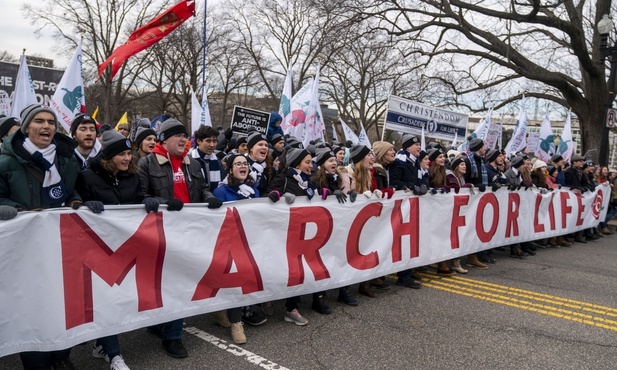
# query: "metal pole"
x,y
604,149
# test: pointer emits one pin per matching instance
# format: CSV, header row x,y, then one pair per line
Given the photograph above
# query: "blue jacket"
x,y
272,129
227,194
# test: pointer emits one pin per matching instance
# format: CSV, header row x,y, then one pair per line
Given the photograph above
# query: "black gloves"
x,y
95,206
214,203
352,196
7,213
152,204
496,186
174,205
420,190
274,196
340,196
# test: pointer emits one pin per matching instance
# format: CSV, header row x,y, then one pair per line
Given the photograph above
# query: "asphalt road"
x,y
555,310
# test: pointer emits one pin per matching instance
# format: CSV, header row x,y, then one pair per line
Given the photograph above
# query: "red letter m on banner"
x,y
84,252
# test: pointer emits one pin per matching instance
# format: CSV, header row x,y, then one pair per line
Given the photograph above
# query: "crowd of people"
x,y
94,166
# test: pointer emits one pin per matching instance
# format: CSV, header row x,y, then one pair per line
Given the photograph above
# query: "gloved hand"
x,y
420,190
368,194
512,187
74,205
152,204
7,213
274,196
378,193
482,188
228,133
289,198
174,205
388,192
340,196
214,203
456,190
445,189
433,191
496,186
324,193
543,191
406,189
352,196
95,206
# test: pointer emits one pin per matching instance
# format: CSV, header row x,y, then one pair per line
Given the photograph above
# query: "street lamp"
x,y
605,26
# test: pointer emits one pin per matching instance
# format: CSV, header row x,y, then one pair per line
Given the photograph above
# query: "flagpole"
x,y
203,68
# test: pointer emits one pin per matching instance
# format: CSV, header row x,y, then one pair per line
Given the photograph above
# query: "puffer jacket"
x,y
21,180
156,178
95,183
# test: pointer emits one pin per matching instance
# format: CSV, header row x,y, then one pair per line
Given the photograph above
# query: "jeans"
x,y
234,314
405,275
171,330
111,346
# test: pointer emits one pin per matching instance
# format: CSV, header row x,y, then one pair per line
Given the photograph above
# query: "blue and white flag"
x,y
313,125
24,94
204,118
566,145
546,146
69,99
349,134
363,138
518,141
480,132
334,134
285,105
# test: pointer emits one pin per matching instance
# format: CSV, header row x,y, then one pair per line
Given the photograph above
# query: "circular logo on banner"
x,y
55,192
596,207
431,126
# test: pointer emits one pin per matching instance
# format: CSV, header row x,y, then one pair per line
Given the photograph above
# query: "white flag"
x,y
5,103
285,105
334,135
196,113
480,132
349,134
546,146
455,138
518,141
69,100
500,140
314,121
363,138
566,145
24,94
423,140
299,106
205,109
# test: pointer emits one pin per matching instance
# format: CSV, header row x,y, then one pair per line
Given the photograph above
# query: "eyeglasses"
x,y
241,164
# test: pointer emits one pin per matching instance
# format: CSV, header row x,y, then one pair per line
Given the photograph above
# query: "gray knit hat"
x,y
323,155
294,143
32,110
113,143
433,154
143,133
517,162
475,144
6,123
254,138
358,152
294,156
409,140
492,155
170,128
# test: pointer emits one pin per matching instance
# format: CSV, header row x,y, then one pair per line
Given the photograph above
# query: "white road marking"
x,y
235,350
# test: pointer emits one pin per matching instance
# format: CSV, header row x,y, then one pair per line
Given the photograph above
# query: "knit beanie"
x,y
240,141
254,138
358,152
422,155
538,164
32,110
380,148
113,143
409,140
456,162
433,154
556,158
323,155
312,149
143,133
294,143
492,155
517,162
6,123
276,138
171,127
475,144
551,170
82,119
295,156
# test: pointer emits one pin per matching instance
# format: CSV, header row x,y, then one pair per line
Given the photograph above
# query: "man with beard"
x,y
494,160
84,131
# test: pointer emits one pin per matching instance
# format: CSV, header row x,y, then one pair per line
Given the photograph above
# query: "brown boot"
x,y
237,332
580,238
443,269
365,289
561,240
472,260
552,242
221,318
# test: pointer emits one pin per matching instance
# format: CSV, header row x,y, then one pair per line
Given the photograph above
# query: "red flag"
x,y
149,34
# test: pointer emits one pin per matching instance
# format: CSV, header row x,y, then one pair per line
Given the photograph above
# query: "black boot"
x,y
319,305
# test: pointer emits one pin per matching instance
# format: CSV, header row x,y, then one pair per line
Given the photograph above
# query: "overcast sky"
x,y
17,33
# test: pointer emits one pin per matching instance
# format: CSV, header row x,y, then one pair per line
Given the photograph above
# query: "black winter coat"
x,y
284,182
404,175
95,183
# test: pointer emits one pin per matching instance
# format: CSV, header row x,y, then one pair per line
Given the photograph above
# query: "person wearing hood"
x,y
274,125
8,126
38,170
173,178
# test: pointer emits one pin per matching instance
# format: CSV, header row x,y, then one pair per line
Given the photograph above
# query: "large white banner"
x,y
409,116
67,277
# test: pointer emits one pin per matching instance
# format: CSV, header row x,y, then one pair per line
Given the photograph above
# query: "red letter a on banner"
x,y
83,252
298,246
231,246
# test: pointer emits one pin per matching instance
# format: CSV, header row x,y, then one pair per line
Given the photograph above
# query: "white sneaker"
x,y
117,363
98,352
295,317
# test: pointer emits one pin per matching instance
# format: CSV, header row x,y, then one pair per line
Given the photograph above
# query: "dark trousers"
x,y
43,360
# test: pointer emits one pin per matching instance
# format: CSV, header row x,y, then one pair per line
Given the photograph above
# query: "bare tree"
x,y
7,57
500,49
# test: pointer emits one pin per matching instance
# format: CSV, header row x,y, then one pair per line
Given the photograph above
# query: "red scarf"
x,y
181,190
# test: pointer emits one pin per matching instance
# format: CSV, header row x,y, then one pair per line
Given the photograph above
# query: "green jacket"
x,y
21,181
